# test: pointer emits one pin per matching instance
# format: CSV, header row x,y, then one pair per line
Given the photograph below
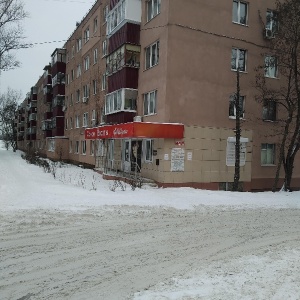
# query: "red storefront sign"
x,y
136,130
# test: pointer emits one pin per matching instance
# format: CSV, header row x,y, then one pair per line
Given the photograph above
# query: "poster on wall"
x,y
177,160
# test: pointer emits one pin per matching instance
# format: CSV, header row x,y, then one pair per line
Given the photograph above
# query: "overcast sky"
x,y
50,20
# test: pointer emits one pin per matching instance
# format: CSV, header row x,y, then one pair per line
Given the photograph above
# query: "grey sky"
x,y
50,20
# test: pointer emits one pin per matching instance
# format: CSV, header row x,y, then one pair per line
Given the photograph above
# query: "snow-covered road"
x,y
55,246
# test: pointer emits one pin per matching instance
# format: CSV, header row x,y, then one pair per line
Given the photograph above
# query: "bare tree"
x,y
283,56
8,107
11,33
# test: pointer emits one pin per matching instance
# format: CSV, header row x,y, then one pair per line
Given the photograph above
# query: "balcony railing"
x,y
32,117
58,100
47,125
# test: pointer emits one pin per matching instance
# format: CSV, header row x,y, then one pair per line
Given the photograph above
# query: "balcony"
x,y
123,11
32,117
21,124
121,100
47,125
31,130
58,100
58,61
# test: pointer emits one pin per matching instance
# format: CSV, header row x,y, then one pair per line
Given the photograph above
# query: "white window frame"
x,y
86,91
78,96
95,55
103,82
86,35
100,148
148,150
152,55
236,60
95,24
104,48
83,147
78,71
76,147
232,103
86,63
71,123
94,83
150,103
237,18
92,148
78,44
271,21
77,121
271,66
105,13
153,8
85,119
269,159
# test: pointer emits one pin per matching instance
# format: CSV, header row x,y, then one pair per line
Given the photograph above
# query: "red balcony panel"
x,y
128,34
58,67
48,115
120,117
57,111
32,123
58,89
113,3
125,78
47,133
47,80
58,131
48,98
33,97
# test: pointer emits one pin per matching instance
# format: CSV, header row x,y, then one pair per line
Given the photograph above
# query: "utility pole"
x,y
238,107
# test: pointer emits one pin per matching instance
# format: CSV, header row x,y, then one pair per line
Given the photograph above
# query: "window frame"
x,y
147,97
86,35
76,151
95,55
270,161
148,150
237,59
150,59
86,63
269,109
151,4
268,68
85,119
238,16
232,102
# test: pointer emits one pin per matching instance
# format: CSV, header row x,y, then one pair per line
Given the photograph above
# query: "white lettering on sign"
x,y
91,134
120,131
102,133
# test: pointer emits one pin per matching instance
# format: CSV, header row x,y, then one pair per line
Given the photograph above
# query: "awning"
x,y
136,130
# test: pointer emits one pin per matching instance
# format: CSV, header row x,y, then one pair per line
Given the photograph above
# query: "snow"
x,y
73,238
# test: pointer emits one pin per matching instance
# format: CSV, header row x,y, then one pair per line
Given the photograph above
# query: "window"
x,y
83,147
148,155
77,122
103,82
67,120
77,147
71,122
67,56
86,92
232,107
70,147
150,103
271,23
104,48
78,71
86,35
71,99
152,55
92,147
116,16
68,79
86,63
72,75
153,8
267,154
120,100
269,110
85,119
94,87
240,12
238,59
51,145
100,148
95,55
105,13
73,51
77,96
78,44
271,66
95,24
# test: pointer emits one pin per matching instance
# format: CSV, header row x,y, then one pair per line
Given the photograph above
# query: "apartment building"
x,y
149,88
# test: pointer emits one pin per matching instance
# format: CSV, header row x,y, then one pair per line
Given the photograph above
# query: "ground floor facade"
x,y
172,155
